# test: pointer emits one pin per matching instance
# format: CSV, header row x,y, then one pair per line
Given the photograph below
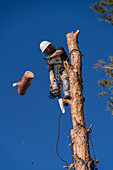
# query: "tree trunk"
x,y
24,83
78,133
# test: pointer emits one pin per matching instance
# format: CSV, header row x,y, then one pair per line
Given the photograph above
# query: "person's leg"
x,y
64,76
65,84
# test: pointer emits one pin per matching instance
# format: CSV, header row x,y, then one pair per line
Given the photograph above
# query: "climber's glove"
x,y
47,58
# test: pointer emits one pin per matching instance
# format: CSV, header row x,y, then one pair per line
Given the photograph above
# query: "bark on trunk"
x,y
24,83
78,133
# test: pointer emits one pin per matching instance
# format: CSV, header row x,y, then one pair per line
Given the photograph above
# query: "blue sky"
x,y
29,123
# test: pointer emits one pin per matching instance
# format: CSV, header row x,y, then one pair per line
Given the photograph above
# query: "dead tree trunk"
x,y
24,83
79,133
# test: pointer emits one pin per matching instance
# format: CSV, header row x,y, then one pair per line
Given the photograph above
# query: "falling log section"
x,y
24,83
78,133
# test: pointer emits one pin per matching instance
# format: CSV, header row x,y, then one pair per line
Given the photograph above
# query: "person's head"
x,y
47,47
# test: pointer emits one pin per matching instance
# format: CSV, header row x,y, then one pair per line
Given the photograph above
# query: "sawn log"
x,y
24,83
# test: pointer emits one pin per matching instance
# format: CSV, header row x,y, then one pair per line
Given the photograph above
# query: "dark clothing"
x,y
57,63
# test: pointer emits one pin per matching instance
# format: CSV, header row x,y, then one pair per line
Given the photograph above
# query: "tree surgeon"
x,y
55,64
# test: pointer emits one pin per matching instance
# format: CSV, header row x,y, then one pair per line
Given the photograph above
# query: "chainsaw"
x,y
55,91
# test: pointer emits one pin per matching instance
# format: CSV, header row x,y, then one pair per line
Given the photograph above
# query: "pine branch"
x,y
108,82
104,9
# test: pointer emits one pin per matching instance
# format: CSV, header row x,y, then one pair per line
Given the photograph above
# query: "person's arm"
x,y
56,54
51,76
51,72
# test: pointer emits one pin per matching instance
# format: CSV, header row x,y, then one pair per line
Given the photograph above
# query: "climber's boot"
x,y
66,89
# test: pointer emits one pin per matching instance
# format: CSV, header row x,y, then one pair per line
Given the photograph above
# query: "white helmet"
x,y
44,45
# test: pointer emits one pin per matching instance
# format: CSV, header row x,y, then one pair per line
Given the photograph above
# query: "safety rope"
x,y
58,140
86,163
93,161
95,165
73,50
85,149
89,137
